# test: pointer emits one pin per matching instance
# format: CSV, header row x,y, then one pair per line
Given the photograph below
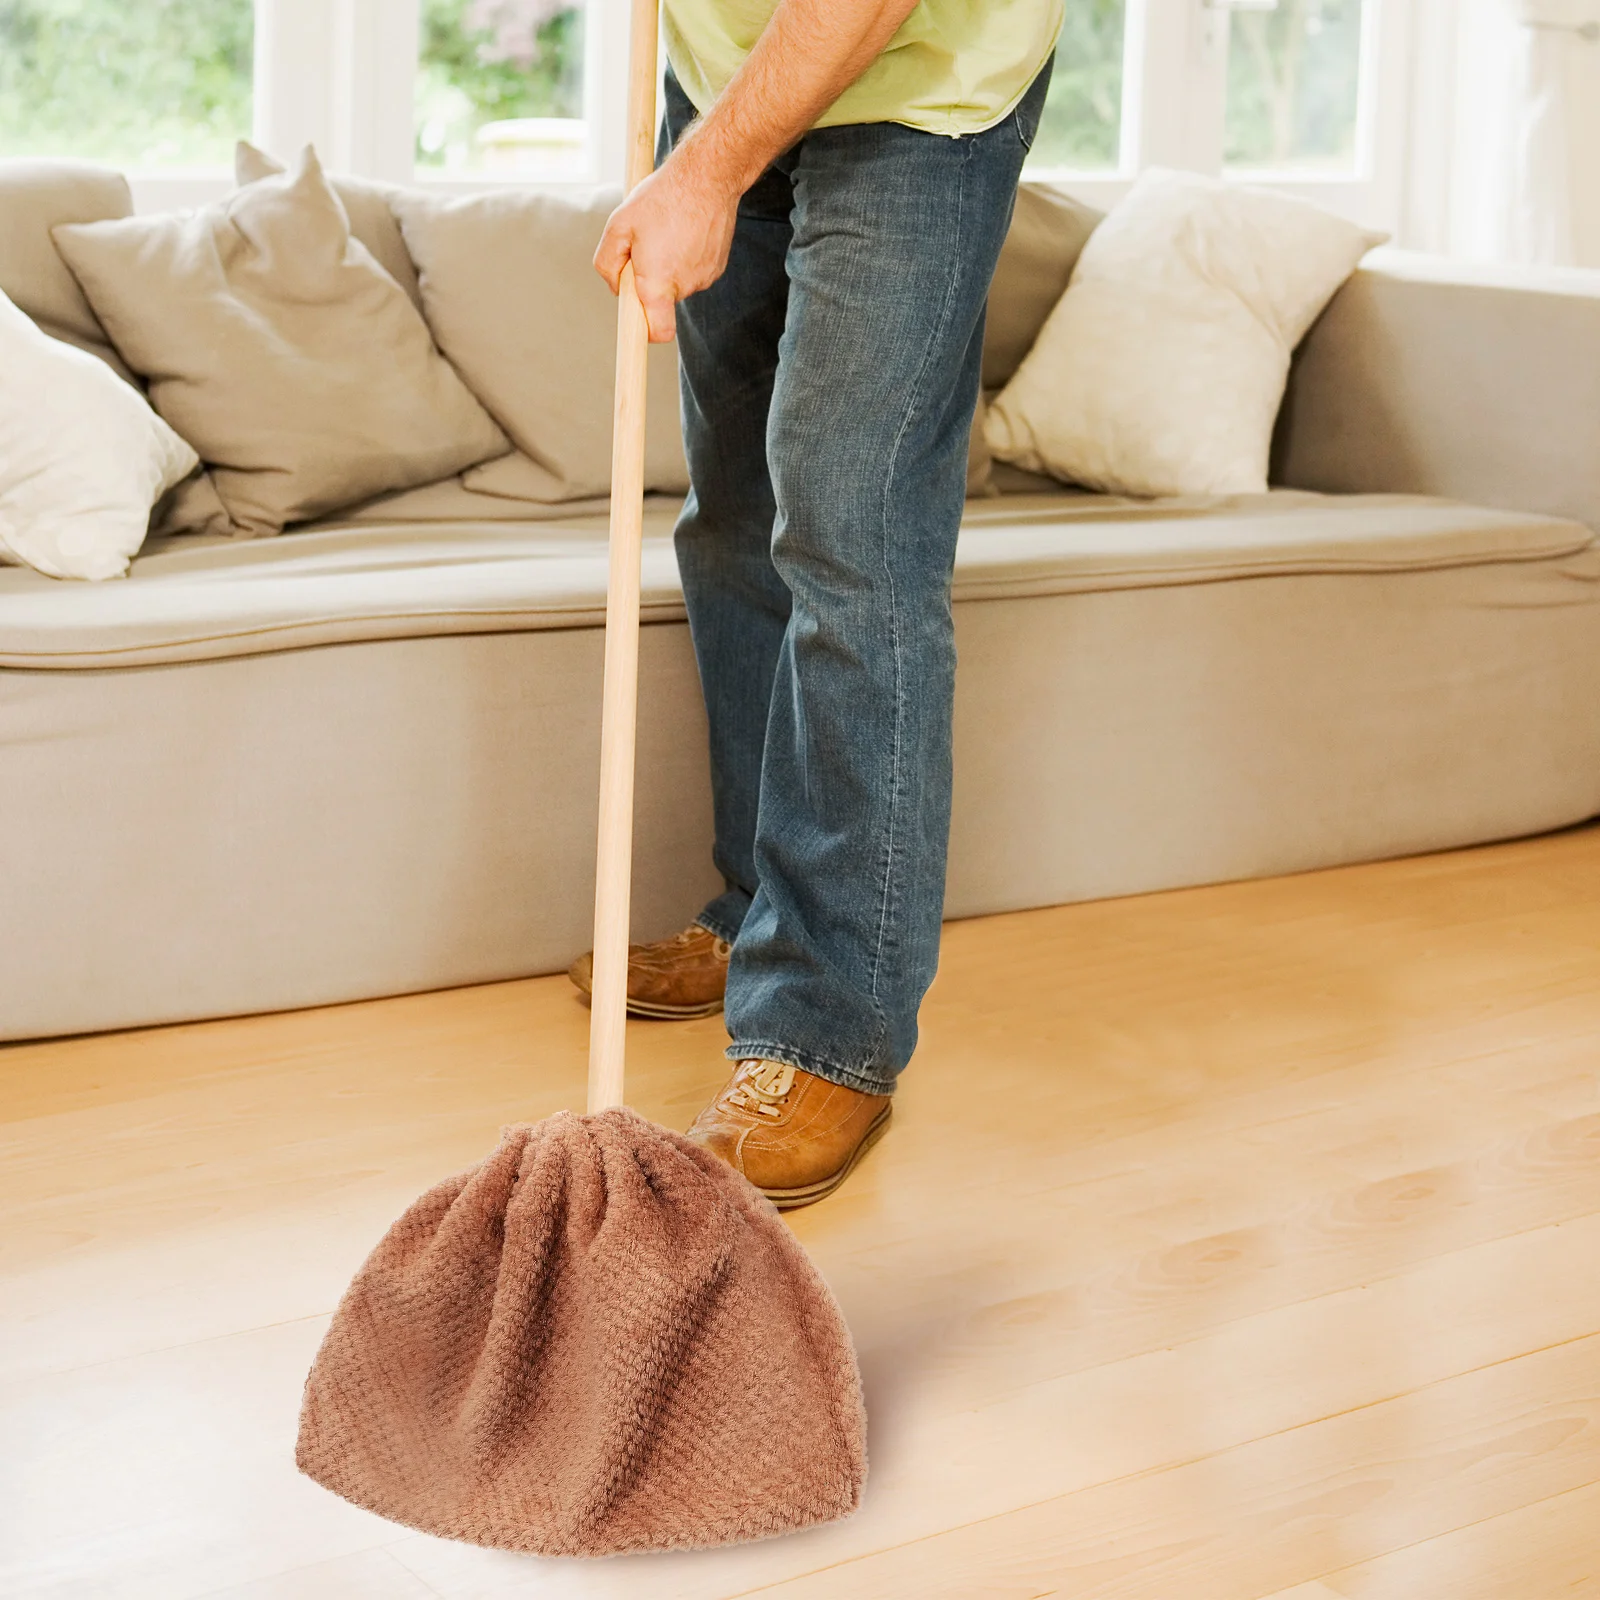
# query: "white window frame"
x,y
340,74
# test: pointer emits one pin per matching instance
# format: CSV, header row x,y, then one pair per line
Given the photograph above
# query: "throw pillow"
x,y
83,458
279,348
510,292
1161,369
518,477
365,203
193,507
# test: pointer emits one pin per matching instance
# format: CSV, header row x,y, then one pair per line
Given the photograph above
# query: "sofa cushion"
x,y
280,350
34,197
194,599
510,292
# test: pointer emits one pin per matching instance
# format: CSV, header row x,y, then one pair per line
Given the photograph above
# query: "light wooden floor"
x,y
1233,1243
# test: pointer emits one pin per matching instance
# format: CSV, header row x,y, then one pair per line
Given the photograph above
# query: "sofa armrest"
x,y
1425,376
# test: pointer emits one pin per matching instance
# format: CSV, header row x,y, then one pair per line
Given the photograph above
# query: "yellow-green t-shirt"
x,y
955,66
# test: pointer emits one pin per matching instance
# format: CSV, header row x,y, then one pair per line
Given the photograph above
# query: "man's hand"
x,y
676,227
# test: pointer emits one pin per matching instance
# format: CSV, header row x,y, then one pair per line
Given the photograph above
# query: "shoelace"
x,y
690,934
762,1088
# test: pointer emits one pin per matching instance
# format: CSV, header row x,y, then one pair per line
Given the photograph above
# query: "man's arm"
x,y
677,226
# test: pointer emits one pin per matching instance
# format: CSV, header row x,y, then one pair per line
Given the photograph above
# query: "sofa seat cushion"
x,y
191,599
1075,541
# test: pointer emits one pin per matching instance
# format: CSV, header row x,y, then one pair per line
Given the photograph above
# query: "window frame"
x,y
340,74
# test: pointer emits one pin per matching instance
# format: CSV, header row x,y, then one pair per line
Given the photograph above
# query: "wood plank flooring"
x,y
1239,1243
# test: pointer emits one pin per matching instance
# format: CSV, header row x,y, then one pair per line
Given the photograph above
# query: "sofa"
x,y
360,759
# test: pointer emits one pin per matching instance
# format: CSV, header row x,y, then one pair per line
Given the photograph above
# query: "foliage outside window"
x,y
1294,78
1082,123
500,86
137,83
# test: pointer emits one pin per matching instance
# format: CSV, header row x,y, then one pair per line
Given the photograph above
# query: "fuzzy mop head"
x,y
600,1339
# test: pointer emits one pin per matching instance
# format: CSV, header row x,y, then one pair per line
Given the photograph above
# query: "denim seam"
x,y
914,398
817,1066
715,928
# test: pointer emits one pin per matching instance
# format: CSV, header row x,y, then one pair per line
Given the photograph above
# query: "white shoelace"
x,y
762,1087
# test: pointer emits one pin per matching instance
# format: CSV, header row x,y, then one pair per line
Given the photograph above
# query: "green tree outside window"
x,y
1293,85
136,83
493,61
1082,123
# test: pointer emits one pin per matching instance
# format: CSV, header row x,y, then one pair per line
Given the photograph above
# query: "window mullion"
x,y
1174,75
294,62
605,87
374,87
340,75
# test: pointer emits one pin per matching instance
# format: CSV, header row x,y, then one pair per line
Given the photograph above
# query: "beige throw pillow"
x,y
510,292
194,506
365,203
1161,370
278,347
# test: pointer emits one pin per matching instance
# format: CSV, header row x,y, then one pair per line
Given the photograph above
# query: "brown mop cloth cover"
x,y
600,1339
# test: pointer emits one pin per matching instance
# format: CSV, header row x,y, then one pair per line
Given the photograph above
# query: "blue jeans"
x,y
829,379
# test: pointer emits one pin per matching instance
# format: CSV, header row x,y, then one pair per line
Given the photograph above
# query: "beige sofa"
x,y
360,759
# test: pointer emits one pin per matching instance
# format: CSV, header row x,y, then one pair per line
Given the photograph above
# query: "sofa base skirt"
x,y
332,824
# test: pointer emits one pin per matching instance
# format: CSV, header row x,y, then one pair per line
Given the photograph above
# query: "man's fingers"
x,y
659,310
612,254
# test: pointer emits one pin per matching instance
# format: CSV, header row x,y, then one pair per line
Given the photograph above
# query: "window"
x,y
1081,129
139,83
1307,94
1294,83
500,89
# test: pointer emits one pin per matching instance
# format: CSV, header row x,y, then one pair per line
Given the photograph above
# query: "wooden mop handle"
x,y
619,714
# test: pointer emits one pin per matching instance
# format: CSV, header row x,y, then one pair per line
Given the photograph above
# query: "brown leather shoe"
x,y
683,976
794,1135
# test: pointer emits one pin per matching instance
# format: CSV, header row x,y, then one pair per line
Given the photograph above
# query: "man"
x,y
834,182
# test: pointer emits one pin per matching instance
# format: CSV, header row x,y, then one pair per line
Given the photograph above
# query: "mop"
x,y
601,1338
